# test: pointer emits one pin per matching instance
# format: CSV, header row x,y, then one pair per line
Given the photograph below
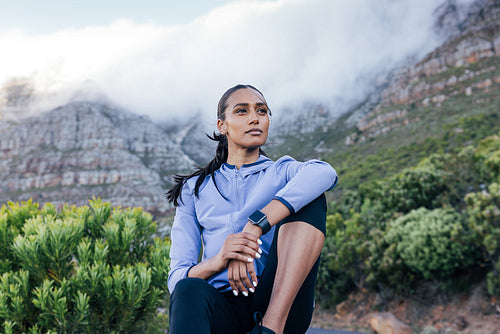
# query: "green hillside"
x,y
459,121
417,209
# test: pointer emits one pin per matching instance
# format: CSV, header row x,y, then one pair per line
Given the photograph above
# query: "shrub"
x,y
487,155
483,210
410,189
341,267
92,269
428,242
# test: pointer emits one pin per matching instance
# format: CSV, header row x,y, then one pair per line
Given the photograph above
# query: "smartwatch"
x,y
260,219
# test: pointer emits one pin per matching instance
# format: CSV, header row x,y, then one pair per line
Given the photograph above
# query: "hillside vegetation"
x,y
438,222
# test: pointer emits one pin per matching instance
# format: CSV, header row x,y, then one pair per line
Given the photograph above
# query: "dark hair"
x,y
174,194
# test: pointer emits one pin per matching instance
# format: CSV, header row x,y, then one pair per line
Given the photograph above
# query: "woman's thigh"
x,y
301,311
197,307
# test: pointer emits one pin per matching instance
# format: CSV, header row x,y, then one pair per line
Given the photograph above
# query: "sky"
x,y
173,58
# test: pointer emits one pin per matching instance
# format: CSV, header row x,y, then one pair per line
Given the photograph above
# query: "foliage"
x,y
484,220
424,224
428,242
93,269
341,267
408,190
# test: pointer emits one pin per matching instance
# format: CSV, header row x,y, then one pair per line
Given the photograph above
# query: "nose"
x,y
254,117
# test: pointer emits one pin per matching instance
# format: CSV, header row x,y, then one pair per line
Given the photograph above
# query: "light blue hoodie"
x,y
209,219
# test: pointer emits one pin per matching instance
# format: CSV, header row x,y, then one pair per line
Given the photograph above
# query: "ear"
x,y
221,126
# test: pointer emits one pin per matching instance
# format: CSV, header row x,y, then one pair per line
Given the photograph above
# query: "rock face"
x,y
472,39
88,149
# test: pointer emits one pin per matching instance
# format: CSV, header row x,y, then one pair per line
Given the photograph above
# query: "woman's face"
x,y
246,123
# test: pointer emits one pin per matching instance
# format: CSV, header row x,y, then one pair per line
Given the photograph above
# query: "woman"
x,y
260,224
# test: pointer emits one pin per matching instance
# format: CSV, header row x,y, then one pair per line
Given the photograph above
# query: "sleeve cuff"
x,y
284,201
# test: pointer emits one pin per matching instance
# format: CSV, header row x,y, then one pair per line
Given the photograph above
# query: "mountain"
x,y
440,103
86,149
82,149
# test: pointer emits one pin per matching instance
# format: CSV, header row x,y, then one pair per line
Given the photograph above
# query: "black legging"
x,y
197,307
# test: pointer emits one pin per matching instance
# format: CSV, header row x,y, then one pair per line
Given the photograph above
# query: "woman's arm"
x,y
186,239
186,245
241,246
305,182
275,211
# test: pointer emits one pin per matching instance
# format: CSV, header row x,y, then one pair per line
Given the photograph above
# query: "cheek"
x,y
233,127
266,123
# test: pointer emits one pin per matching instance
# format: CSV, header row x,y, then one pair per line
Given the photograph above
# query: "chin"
x,y
257,144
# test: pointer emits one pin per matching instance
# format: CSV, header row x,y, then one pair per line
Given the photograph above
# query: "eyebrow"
x,y
247,104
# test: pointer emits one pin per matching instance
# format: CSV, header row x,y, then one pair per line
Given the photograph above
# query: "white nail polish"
x,y
251,290
254,284
257,255
259,241
235,292
245,293
260,251
250,259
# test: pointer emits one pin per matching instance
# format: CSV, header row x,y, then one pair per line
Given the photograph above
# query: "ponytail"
x,y
174,194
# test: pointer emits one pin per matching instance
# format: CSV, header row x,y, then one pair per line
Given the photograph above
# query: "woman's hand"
x,y
242,277
241,247
241,274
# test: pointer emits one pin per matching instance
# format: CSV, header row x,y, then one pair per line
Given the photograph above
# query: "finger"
x,y
245,277
249,238
253,274
244,250
237,277
240,257
230,275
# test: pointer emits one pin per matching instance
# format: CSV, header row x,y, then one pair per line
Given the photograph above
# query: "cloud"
x,y
293,50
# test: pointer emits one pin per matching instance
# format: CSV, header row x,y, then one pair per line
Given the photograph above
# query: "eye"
x,y
240,111
262,111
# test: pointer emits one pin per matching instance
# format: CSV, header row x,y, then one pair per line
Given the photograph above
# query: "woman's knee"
x,y
313,214
189,289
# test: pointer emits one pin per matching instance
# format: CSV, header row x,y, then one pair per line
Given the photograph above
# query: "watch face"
x,y
256,216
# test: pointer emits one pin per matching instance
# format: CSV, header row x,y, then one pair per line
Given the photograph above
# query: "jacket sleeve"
x,y
186,239
304,181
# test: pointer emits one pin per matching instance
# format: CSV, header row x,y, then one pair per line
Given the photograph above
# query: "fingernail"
x,y
260,251
245,293
235,292
257,255
249,259
259,241
254,284
251,290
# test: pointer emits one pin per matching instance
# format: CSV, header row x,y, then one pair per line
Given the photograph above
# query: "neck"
x,y
242,157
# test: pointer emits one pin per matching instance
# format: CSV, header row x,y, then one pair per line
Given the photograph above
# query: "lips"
x,y
254,131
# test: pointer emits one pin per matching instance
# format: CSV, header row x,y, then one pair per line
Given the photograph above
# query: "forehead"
x,y
246,95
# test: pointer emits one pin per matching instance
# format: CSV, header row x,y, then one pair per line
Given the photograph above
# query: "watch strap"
x,y
264,225
260,219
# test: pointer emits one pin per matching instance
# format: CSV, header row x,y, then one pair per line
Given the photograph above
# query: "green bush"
x,y
487,155
483,210
428,242
342,260
411,189
92,269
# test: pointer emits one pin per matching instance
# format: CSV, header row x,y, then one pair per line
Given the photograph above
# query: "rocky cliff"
x,y
87,149
466,63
